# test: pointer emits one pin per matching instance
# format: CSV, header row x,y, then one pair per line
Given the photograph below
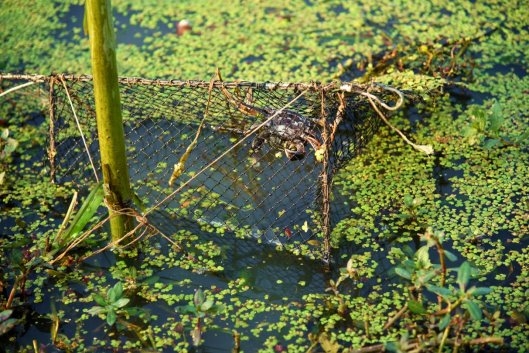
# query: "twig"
x,y
79,127
392,320
78,240
427,149
397,105
16,88
73,203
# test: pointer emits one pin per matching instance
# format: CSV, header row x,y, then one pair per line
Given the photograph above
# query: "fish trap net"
x,y
239,159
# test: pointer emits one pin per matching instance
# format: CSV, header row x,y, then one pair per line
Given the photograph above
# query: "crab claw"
x,y
314,142
295,152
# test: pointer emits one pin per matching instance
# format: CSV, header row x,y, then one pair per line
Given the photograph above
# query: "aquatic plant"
x,y
7,147
6,321
110,305
199,309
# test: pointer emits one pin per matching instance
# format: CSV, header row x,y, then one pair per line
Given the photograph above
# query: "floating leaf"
x,y
329,345
426,149
496,118
314,242
305,227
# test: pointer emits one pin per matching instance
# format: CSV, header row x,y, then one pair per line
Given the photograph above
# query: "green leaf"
x,y
96,310
4,315
392,347
115,292
477,291
443,292
469,132
450,256
187,309
444,322
422,257
111,317
199,297
403,272
496,118
474,310
427,276
98,298
463,275
416,307
84,215
408,200
491,143
121,302
7,325
217,308
206,305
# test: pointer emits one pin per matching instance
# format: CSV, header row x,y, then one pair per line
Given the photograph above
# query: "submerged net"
x,y
273,187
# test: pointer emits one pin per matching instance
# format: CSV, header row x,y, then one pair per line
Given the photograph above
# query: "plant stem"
x,y
392,320
12,294
108,113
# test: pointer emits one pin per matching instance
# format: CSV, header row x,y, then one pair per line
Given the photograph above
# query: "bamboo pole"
x,y
98,23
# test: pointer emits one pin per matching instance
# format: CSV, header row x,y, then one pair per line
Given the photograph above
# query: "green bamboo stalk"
x,y
98,23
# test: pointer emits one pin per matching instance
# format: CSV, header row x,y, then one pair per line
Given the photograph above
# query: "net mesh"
x,y
257,189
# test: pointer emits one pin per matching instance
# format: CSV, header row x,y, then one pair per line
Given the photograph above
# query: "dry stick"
x,y
326,193
12,293
52,152
427,149
131,212
78,240
397,105
392,320
443,339
142,222
67,216
251,132
79,127
179,167
16,88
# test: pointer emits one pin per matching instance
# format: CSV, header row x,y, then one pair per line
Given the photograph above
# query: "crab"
x,y
287,130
